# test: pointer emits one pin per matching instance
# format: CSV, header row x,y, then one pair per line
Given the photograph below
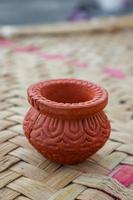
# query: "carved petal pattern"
x,y
63,140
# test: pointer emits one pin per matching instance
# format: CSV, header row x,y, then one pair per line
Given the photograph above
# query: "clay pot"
x,y
66,122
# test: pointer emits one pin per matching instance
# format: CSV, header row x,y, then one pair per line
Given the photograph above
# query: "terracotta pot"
x,y
66,122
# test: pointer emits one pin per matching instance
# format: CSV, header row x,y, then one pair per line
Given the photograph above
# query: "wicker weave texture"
x,y
104,58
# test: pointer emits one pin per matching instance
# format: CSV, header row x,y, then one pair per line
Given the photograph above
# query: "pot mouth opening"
x,y
65,97
67,92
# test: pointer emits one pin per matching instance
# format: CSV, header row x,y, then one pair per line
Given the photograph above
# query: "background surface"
x,y
49,11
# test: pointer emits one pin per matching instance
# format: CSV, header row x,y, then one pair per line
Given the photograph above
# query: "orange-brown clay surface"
x,y
66,122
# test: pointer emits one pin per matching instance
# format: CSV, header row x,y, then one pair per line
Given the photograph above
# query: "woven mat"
x,y
105,58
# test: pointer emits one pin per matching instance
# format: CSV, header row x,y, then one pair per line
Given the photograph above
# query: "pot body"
x,y
66,141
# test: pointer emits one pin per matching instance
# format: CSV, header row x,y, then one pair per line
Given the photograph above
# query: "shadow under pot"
x,y
66,122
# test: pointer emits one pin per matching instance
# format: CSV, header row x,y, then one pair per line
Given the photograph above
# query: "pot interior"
x,y
67,92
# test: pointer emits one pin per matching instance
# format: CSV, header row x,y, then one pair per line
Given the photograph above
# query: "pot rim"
x,y
85,108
